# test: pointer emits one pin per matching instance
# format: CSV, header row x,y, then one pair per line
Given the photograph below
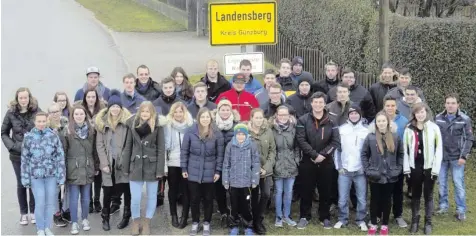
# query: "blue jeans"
x,y
44,190
457,172
360,183
136,195
74,191
284,185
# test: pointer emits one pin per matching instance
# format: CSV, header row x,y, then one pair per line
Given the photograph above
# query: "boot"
x,y
175,222
415,224
258,226
125,218
427,229
183,219
173,214
145,226
135,226
105,219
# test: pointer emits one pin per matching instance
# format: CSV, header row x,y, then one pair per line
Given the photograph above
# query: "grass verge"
x,y
195,78
129,16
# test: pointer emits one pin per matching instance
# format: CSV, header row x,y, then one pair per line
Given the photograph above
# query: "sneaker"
x,y
401,222
40,233
278,222
460,216
363,226
32,218
339,225
24,220
86,226
372,230
302,223
75,228
234,231
206,228
383,230
59,221
249,231
327,224
48,232
194,229
66,215
441,211
290,222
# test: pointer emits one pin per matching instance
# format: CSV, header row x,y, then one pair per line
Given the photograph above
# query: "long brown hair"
x,y
32,103
201,129
68,104
187,89
97,103
86,119
389,142
417,108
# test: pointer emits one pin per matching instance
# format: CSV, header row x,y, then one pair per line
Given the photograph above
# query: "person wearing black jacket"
x,y
145,85
199,99
168,96
216,83
301,100
275,100
284,77
318,138
381,88
330,81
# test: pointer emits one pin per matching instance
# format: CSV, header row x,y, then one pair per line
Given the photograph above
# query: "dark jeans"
x,y
240,205
96,188
204,192
22,191
334,198
380,203
259,198
177,186
398,196
421,181
220,196
109,192
310,175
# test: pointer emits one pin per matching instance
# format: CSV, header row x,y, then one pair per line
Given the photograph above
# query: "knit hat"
x,y
224,102
297,60
92,69
355,108
240,77
114,98
304,79
241,128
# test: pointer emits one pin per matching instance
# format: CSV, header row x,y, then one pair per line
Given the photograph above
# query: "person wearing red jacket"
x,y
241,100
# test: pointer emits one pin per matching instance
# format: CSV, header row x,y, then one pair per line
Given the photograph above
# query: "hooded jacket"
x,y
378,92
133,102
457,135
266,145
241,164
301,104
164,103
150,91
288,155
358,95
251,86
227,133
215,89
110,144
352,138
243,102
42,156
174,133
193,108
102,90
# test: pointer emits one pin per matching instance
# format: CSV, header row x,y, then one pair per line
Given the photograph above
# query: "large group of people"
x,y
237,142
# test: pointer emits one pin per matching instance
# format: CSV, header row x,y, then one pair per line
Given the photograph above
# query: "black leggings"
x,y
204,192
96,188
220,196
177,186
22,192
117,189
421,181
380,202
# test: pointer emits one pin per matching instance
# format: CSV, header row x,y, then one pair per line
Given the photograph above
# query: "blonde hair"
x,y
212,62
389,142
50,123
113,122
186,113
153,114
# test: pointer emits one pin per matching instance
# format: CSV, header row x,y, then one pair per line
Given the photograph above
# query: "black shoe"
x,y
91,208
97,206
175,222
59,221
125,218
66,215
105,219
160,201
183,222
259,228
114,209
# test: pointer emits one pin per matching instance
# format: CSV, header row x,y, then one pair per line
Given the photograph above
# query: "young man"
x,y
130,98
216,83
145,85
405,104
381,88
251,84
288,85
92,75
241,100
275,100
318,138
457,135
262,95
349,165
168,96
297,70
339,108
200,100
331,78
301,100
404,80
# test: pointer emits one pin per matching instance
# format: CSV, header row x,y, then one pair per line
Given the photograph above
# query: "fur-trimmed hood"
x,y
62,123
189,120
265,126
235,113
101,120
393,127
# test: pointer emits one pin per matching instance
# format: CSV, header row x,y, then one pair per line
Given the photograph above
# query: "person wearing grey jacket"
x,y
241,170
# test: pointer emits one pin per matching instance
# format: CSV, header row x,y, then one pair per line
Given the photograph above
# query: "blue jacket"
x,y
241,166
201,159
103,91
252,86
132,103
457,135
42,156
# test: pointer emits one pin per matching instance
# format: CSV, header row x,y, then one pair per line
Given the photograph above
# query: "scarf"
x,y
176,127
283,126
82,131
143,87
224,124
143,130
99,89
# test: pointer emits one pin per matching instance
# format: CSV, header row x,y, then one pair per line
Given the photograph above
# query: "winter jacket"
x,y
399,123
201,159
215,89
19,124
358,95
251,86
266,145
193,108
227,133
81,157
432,148
110,144
58,128
174,134
102,90
163,103
304,74
324,85
379,167
300,103
270,109
316,137
398,93
288,155
143,159
405,109
150,91
263,97
132,103
352,138
241,165
287,83
457,135
185,95
243,102
378,92
337,113
42,156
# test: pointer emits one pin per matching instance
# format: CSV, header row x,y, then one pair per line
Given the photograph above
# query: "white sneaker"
x,y
32,218
86,226
363,226
75,228
40,233
24,220
48,232
338,225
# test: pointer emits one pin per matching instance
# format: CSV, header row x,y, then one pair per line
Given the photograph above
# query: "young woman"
x,y
111,127
287,162
201,159
423,153
63,101
225,118
143,160
382,160
182,85
178,121
82,163
262,135
18,120
43,169
93,104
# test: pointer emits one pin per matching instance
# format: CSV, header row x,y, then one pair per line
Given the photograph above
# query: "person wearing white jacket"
x,y
423,149
178,121
349,165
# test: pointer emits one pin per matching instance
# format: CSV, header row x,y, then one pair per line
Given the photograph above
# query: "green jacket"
x,y
266,144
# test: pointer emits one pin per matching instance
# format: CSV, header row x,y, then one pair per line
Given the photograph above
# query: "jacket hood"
x,y
393,127
102,122
235,113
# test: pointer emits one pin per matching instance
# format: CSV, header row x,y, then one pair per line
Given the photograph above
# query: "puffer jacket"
x,y
457,135
150,91
174,133
227,133
18,124
288,155
105,145
143,159
202,158
384,167
241,165
81,157
215,89
352,138
264,140
42,156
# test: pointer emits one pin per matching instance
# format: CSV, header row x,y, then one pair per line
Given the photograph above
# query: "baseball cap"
x,y
240,77
92,69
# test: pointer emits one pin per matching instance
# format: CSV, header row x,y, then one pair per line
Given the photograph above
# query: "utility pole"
x,y
243,47
384,43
